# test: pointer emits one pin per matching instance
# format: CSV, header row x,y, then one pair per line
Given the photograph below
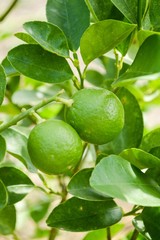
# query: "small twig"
x,y
26,113
4,15
133,211
53,234
135,234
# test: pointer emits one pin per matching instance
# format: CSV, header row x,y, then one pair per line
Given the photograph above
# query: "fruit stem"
x,y
67,102
29,111
53,234
108,233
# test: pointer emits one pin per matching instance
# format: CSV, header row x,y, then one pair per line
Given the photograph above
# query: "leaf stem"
x,y
4,15
134,235
139,14
109,233
133,211
91,10
29,111
53,234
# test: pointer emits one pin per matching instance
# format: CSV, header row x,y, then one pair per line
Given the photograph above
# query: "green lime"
x,y
96,114
54,147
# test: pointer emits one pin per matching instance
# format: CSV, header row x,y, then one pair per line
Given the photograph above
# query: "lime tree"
x,y
96,114
54,147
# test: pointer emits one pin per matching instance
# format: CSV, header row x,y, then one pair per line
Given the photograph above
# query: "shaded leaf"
x,y
151,140
154,14
25,38
103,36
16,182
2,84
39,210
103,9
79,186
132,132
7,220
3,195
146,62
9,69
94,77
151,220
67,15
2,148
116,177
34,62
140,158
79,215
17,146
49,36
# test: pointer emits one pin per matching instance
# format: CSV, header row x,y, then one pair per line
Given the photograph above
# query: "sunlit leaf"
x,y
72,17
116,177
33,61
2,148
3,195
103,36
49,36
7,220
2,84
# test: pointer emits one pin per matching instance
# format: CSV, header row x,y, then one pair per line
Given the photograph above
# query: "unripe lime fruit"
x,y
54,147
96,114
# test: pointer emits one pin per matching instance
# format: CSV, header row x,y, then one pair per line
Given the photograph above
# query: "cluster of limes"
x,y
96,116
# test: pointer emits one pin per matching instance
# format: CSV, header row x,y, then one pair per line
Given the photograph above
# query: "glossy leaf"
x,y
25,38
7,220
49,36
102,10
151,217
128,8
67,15
116,177
39,64
17,183
151,140
150,57
17,146
139,225
132,132
103,36
3,195
79,215
154,14
2,148
10,71
140,158
79,186
2,84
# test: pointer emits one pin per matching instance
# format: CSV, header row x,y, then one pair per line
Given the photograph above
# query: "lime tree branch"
x,y
4,15
31,110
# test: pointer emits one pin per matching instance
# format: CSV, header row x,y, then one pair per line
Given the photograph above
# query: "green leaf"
x,y
79,215
154,14
130,8
2,84
94,77
35,62
103,36
151,140
150,57
17,147
151,217
2,148
139,225
8,68
49,36
3,195
67,15
25,38
116,177
132,132
101,233
140,158
104,9
7,220
16,182
79,186
155,151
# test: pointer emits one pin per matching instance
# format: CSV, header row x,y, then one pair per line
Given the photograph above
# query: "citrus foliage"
x,y
73,100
